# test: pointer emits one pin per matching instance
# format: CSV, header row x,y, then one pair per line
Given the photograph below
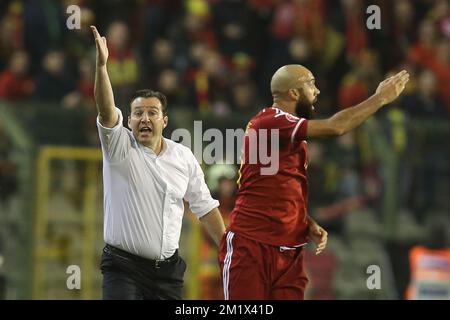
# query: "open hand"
x,y
392,87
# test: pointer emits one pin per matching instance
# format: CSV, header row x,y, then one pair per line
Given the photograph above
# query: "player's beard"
x,y
304,109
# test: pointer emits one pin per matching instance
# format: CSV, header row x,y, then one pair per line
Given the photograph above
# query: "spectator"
x,y
162,57
423,50
11,31
53,83
357,84
78,42
44,28
15,82
430,264
123,66
425,102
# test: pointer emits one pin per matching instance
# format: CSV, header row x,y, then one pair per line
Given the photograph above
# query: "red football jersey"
x,y
272,208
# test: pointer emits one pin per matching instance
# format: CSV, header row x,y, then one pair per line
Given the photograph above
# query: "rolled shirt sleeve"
x,y
197,193
115,141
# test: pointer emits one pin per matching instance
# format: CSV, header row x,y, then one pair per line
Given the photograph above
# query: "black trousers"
x,y
130,277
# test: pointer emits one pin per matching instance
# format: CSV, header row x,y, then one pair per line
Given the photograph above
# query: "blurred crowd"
x,y
217,57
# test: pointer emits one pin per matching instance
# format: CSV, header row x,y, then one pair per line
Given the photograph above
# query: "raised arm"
x,y
103,92
350,118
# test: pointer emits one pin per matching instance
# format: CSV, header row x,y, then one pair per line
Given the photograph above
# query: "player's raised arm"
x,y
350,118
103,92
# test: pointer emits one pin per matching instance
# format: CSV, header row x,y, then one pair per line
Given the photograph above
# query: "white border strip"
x,y
295,129
227,264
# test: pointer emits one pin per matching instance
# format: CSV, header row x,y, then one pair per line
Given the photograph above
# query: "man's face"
x,y
147,120
308,93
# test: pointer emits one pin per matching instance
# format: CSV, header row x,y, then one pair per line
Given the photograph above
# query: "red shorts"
x,y
253,270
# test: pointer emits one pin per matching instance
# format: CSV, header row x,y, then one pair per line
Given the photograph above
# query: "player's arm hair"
x,y
345,120
104,97
213,223
350,118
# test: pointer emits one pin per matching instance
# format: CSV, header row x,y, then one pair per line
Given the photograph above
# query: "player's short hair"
x,y
147,93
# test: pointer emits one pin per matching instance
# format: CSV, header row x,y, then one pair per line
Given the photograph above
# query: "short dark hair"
x,y
147,93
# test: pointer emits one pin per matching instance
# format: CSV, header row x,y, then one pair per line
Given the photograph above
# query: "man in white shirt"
x,y
145,178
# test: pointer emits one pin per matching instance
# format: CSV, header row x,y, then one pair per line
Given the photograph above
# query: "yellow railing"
x,y
92,157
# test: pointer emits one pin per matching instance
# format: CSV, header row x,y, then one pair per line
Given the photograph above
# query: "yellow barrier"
x,y
92,157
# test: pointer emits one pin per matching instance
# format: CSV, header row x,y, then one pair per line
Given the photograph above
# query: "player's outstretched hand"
x,y
319,236
102,48
392,87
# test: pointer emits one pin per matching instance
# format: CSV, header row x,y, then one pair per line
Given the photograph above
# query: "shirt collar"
x,y
149,151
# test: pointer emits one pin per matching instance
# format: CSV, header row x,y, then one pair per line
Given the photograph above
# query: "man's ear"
x,y
294,94
129,122
166,121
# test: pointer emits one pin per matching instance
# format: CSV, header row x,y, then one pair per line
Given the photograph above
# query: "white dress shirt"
x,y
143,192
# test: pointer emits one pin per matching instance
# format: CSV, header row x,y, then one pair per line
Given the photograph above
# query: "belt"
x,y
129,256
